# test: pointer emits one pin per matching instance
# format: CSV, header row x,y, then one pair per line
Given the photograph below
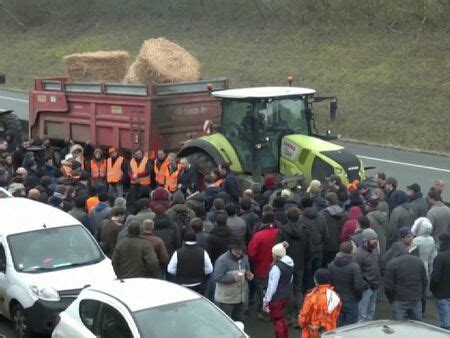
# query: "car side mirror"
x,y
333,110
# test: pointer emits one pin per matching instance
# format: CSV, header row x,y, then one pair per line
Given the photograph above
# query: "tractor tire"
x,y
10,122
202,162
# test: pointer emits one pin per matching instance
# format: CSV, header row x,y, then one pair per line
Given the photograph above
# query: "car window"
x,y
112,324
2,258
89,311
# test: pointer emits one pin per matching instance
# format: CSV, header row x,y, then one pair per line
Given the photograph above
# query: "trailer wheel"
x,y
10,122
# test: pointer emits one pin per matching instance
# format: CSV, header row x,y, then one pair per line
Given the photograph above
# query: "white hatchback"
x,y
140,307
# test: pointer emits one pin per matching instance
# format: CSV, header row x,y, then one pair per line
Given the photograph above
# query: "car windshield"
x,y
51,249
194,319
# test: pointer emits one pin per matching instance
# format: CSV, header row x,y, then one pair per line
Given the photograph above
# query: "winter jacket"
x,y
334,218
212,214
227,290
218,241
316,224
320,309
238,227
379,222
81,216
260,250
108,237
231,187
99,214
188,179
279,284
300,246
179,209
402,216
250,218
135,257
425,243
159,247
395,198
405,279
168,232
209,194
440,276
419,204
439,216
280,215
369,263
397,249
349,227
346,278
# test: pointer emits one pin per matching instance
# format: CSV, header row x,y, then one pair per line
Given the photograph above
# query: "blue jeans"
x,y
412,309
367,305
443,309
349,314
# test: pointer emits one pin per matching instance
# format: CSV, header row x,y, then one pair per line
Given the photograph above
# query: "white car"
x,y
46,258
140,307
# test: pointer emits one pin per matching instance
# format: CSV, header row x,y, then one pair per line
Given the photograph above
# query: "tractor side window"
x,y
89,310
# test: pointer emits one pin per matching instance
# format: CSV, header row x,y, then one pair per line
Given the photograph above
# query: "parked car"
x,y
140,307
46,258
388,328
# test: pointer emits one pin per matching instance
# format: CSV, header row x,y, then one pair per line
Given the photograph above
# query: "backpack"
x,y
183,221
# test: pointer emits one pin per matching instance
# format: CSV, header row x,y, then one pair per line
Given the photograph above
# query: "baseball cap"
x,y
404,231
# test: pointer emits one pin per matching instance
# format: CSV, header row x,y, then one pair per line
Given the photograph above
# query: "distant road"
x,y
407,166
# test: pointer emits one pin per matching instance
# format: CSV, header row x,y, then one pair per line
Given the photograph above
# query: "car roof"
x,y
23,215
262,92
144,293
387,328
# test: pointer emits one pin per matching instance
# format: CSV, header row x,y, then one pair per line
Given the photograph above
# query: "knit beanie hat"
x,y
369,234
279,249
178,198
322,276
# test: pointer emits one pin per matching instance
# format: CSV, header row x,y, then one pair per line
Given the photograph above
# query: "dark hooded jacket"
x,y
402,216
218,241
168,232
334,218
346,278
419,204
300,246
440,277
316,224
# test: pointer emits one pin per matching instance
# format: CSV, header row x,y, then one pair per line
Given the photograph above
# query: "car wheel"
x,y
20,322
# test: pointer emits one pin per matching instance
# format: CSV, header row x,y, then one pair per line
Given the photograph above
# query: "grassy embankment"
x,y
393,85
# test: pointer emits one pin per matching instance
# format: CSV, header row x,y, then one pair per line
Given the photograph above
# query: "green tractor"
x,y
272,130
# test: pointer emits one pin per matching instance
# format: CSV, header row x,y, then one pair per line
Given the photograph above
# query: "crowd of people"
x,y
313,258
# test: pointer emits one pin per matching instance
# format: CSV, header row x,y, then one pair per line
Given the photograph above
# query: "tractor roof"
x,y
262,92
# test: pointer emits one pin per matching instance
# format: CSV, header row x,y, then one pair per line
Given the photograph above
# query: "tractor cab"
x,y
272,130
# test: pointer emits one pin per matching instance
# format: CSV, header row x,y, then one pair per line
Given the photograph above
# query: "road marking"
x,y
13,99
404,163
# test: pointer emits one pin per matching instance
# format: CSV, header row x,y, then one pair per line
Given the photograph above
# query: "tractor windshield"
x,y
275,119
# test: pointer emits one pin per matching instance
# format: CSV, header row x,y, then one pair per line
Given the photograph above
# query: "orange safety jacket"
x,y
160,173
98,170
172,179
114,171
136,170
316,312
67,171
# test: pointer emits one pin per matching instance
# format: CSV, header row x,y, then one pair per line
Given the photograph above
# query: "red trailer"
x,y
122,115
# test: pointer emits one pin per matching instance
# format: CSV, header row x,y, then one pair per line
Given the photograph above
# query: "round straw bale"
x,y
162,61
101,65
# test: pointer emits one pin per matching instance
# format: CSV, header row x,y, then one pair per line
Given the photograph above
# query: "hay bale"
x,y
131,76
163,61
101,65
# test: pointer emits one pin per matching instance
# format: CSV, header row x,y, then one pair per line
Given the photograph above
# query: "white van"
x,y
46,258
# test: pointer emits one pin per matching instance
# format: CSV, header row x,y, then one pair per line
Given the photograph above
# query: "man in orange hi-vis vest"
x,y
172,173
97,167
115,169
160,168
321,307
139,174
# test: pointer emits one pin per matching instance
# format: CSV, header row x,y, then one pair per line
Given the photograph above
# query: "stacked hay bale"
x,y
162,61
109,66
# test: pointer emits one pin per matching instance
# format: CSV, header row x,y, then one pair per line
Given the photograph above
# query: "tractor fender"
x,y
217,147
